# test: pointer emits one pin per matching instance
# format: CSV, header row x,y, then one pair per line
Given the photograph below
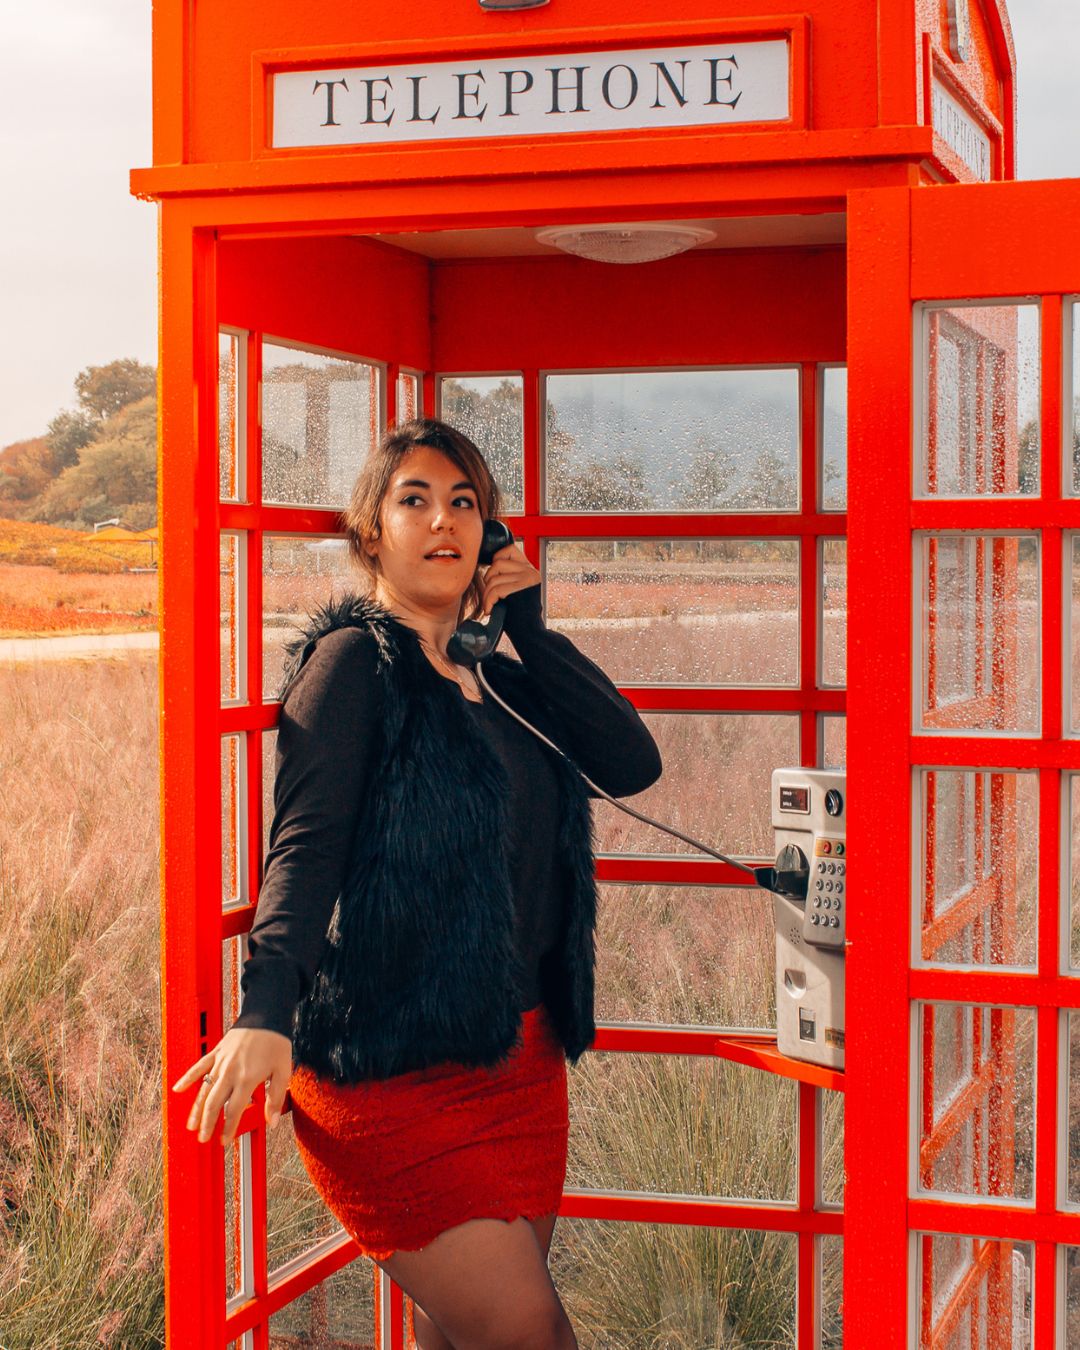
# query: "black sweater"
x,y
326,729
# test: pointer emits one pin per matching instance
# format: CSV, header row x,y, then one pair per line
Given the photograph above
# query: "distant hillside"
x,y
32,544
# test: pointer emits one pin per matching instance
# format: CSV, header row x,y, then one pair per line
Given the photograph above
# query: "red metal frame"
x,y
905,242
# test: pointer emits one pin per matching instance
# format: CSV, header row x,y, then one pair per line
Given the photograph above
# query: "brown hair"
x,y
362,514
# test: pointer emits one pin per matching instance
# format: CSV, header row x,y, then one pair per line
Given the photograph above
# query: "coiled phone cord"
x,y
668,829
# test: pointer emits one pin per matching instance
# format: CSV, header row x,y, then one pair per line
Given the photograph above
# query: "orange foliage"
x,y
27,542
35,600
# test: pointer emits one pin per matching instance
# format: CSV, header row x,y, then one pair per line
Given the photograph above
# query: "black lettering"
x,y
680,94
463,94
508,76
557,88
716,79
605,87
415,81
373,98
329,100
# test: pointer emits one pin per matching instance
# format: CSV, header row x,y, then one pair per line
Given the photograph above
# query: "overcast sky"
x,y
77,266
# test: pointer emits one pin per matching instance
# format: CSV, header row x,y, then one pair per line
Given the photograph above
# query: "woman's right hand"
x,y
241,1060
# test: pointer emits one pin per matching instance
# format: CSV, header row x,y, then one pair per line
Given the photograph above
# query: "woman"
x,y
422,950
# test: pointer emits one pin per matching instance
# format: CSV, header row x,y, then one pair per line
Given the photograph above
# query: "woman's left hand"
x,y
510,571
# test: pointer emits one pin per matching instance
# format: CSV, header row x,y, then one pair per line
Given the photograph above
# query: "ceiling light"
x,y
512,4
624,243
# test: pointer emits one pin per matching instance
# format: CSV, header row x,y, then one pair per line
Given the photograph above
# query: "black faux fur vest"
x,y
420,965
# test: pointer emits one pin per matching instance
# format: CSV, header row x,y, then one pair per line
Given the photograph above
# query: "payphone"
x,y
809,891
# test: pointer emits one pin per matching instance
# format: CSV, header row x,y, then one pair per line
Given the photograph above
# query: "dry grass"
x,y
80,1133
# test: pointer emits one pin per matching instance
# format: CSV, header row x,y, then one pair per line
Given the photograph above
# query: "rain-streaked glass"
x,y
300,573
407,399
320,417
833,613
296,1215
833,741
269,773
235,1159
979,633
636,1285
1073,1140
979,890
685,956
1072,686
1073,422
832,1148
681,1125
1072,821
716,785
830,1254
338,1313
488,409
983,1288
232,821
980,405
673,440
833,396
231,365
679,611
1072,1297
977,1085
230,590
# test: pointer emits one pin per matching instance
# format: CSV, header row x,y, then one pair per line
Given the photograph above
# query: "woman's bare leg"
x,y
428,1335
484,1285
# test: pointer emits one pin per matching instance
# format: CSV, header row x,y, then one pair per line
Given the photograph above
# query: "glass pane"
x,y
977,1099
1073,864
980,836
638,1286
269,772
834,613
833,395
834,741
685,955
681,1125
300,573
232,821
980,434
1072,1298
233,956
338,1314
296,1216
488,409
680,440
832,1147
1072,685
1074,425
231,388
716,785
237,1215
831,1295
975,1292
407,397
980,632
230,617
320,417
1073,1179
691,611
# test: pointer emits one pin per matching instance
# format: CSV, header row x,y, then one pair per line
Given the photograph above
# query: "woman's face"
x,y
429,508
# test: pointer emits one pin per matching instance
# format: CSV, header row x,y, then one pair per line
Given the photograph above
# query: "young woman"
x,y
420,966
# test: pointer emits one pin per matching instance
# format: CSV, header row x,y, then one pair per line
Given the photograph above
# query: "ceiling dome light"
x,y
512,4
624,243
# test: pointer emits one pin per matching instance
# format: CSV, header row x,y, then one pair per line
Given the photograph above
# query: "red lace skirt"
x,y
399,1160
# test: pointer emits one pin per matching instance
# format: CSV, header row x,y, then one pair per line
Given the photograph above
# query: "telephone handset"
x,y
474,642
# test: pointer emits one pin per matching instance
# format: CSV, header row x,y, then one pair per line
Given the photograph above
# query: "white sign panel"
x,y
713,85
959,130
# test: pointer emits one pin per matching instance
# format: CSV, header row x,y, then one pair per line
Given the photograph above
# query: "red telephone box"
x,y
352,216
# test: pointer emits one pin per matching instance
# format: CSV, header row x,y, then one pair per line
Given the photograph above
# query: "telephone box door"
x,y
963,1174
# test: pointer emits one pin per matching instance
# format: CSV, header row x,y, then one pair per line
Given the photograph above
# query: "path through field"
x,y
75,645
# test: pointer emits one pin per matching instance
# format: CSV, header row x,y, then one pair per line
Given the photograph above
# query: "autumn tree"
x,y
116,474
103,390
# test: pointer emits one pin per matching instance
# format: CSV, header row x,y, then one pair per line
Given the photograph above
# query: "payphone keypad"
x,y
825,909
